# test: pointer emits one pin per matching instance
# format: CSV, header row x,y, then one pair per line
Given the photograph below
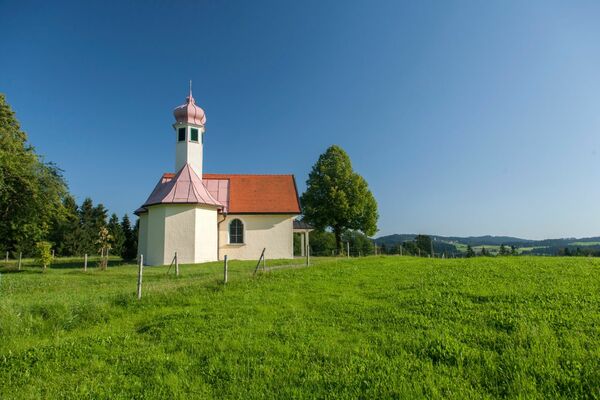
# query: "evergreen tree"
x,y
129,251
470,252
116,232
338,198
503,251
89,230
99,215
484,252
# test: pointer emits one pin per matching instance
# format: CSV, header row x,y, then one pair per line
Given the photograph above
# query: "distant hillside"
x,y
470,240
546,246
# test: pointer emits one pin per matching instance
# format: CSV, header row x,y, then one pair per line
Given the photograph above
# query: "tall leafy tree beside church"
x,y
338,198
31,190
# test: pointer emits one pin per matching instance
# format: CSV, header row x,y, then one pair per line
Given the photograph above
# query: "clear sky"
x,y
466,118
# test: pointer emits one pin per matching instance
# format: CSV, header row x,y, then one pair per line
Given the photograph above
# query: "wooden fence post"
x,y
6,260
308,256
176,265
20,256
225,269
348,249
140,271
85,262
259,260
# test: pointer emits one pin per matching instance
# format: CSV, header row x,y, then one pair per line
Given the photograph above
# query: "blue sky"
x,y
466,118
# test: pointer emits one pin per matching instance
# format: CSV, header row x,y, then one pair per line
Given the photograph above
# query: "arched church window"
x,y
236,232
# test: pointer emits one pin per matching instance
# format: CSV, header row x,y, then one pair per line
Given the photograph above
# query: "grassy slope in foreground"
x,y
372,327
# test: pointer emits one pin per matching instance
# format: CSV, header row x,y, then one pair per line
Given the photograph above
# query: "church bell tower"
x,y
189,135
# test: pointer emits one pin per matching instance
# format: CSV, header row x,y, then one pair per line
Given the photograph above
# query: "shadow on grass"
x,y
30,268
13,269
78,264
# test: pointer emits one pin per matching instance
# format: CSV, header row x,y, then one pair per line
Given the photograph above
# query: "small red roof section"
x,y
218,189
185,187
258,194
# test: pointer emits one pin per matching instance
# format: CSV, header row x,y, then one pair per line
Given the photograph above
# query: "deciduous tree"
x,y
104,245
360,244
423,243
31,190
338,198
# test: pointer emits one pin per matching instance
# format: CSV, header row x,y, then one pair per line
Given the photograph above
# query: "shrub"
x,y
44,254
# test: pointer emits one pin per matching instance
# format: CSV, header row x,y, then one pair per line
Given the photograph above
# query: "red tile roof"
x,y
260,194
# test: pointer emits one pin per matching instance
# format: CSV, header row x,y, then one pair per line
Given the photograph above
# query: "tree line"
x,y
77,232
425,245
36,206
322,243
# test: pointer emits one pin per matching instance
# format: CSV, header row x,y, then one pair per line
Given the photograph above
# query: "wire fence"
x,y
70,262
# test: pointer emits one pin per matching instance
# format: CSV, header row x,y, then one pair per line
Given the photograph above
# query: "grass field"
x,y
377,327
583,244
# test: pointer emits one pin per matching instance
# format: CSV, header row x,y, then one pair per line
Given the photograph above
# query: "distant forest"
x,y
493,245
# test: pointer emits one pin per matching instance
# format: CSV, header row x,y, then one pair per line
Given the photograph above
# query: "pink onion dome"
x,y
190,112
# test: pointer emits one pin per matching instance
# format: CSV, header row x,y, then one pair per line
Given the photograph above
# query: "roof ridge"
x,y
225,174
210,173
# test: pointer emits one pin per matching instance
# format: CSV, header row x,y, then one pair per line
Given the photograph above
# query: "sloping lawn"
x,y
377,327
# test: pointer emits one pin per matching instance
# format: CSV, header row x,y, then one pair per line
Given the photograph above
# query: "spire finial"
x,y
190,88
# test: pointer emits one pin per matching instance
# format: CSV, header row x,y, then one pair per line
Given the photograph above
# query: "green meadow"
x,y
375,327
582,244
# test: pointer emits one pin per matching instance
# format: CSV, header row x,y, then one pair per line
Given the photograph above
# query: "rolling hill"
x,y
528,246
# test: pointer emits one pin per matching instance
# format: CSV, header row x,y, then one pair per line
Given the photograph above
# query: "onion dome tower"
x,y
189,133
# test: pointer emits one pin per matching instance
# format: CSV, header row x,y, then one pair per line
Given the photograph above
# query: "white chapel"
x,y
203,216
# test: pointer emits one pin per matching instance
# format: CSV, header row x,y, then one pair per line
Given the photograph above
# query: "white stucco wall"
x,y
142,234
206,235
188,229
271,231
155,242
180,227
